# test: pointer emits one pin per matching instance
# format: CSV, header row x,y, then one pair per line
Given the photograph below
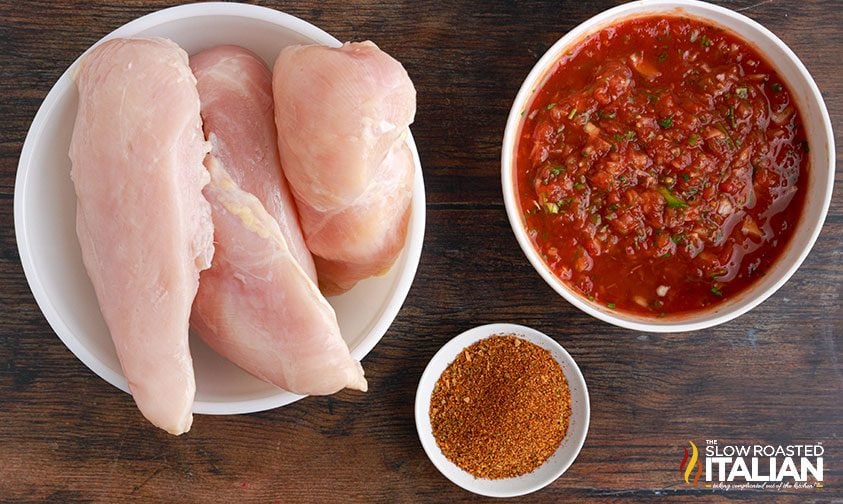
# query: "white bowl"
x,y
820,179
553,467
45,213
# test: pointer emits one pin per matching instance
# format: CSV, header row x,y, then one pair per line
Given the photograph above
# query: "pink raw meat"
x,y
257,306
235,90
144,228
343,115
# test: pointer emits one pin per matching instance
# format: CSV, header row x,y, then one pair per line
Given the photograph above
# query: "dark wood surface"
x,y
774,375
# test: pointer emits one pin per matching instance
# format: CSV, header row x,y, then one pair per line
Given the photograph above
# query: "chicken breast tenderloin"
x,y
342,116
256,305
143,225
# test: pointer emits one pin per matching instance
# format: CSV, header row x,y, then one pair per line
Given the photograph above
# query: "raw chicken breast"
x,y
257,306
364,238
143,225
342,116
235,90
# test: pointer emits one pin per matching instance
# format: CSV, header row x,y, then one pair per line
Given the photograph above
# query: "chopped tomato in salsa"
x,y
658,166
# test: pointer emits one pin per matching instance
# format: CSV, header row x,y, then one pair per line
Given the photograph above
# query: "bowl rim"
x,y
633,10
412,247
448,352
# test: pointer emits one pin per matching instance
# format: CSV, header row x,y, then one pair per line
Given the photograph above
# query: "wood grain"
x,y
774,375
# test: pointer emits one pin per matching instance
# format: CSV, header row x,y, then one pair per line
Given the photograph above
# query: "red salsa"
x,y
658,166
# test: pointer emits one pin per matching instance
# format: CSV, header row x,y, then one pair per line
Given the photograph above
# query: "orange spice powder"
x,y
501,408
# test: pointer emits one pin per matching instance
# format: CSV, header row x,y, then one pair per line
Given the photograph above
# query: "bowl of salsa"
x,y
667,165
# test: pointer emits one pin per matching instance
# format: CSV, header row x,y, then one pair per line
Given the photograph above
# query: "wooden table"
x,y
773,376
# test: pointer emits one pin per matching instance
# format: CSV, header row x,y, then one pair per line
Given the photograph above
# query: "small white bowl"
x,y
553,467
821,168
45,214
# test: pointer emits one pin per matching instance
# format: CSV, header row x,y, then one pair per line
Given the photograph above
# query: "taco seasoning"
x,y
501,408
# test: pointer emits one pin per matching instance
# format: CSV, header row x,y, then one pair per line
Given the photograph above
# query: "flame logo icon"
x,y
686,467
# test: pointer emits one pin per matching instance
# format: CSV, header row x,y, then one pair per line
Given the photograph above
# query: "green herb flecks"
x,y
733,122
666,122
671,199
693,140
718,273
556,170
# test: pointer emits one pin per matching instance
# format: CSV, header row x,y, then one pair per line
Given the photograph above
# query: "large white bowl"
x,y
820,177
45,213
553,467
